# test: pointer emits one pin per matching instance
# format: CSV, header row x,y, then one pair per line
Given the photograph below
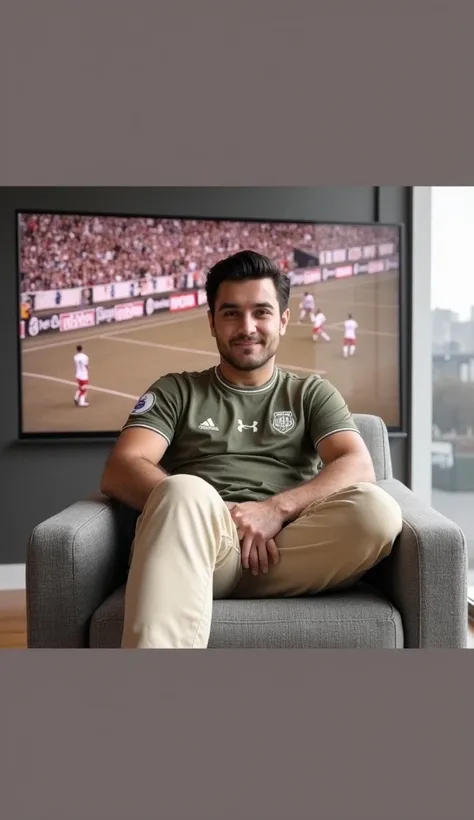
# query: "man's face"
x,y
247,325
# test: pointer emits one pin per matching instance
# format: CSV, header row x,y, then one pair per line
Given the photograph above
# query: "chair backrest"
x,y
375,434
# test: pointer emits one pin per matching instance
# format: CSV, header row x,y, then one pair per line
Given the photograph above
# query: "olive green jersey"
x,y
247,442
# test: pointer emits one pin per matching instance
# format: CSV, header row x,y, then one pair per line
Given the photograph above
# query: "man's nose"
x,y
249,325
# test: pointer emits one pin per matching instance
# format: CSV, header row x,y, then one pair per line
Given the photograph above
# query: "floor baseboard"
x,y
12,576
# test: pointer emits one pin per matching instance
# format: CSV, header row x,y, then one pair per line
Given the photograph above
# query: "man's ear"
x,y
211,323
285,318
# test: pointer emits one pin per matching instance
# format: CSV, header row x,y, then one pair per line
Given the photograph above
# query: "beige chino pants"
x,y
186,553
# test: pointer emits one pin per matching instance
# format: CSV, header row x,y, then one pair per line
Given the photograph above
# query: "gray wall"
x,y
40,479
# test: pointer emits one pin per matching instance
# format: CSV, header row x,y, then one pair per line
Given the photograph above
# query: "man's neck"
x,y
247,378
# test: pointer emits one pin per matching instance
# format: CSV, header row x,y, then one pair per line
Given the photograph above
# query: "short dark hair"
x,y
79,348
247,265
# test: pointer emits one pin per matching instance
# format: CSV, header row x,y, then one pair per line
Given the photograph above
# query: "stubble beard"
x,y
250,361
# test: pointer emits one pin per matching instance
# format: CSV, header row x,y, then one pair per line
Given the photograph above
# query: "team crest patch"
x,y
283,422
143,404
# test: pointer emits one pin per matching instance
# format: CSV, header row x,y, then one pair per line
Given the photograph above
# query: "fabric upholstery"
x,y
426,576
359,620
375,435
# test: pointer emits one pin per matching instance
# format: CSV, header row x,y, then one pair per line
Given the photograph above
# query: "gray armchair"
x,y
77,564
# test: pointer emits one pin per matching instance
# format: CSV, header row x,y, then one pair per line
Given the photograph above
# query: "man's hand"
x,y
257,523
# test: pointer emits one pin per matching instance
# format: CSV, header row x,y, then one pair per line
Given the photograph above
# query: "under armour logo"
x,y
241,426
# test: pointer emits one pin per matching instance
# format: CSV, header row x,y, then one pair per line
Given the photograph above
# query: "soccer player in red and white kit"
x,y
81,361
306,306
350,327
318,327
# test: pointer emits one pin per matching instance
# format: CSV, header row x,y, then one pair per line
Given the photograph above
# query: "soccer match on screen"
x,y
108,304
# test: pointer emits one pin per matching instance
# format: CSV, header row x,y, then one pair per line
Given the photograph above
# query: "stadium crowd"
x,y
61,251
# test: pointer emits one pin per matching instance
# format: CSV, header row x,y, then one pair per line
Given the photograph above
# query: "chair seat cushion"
x,y
358,618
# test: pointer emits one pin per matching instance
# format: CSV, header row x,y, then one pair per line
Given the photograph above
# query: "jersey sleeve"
x,y
326,411
159,409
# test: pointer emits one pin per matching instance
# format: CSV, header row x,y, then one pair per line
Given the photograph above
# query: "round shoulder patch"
x,y
143,404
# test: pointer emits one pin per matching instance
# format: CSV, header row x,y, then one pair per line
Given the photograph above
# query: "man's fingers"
x,y
272,550
262,556
257,554
245,547
254,559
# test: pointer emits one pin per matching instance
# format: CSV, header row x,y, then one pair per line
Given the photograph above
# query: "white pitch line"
x,y
57,344
73,384
106,334
163,346
189,316
206,353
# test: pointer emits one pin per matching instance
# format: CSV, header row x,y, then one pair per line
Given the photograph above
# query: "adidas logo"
x,y
208,425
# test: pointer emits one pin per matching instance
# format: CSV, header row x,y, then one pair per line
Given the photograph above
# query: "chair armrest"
x,y
425,576
75,559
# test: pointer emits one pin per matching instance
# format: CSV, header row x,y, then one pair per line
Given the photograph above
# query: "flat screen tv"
x,y
130,291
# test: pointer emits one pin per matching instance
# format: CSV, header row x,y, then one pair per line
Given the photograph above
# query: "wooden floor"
x,y
13,621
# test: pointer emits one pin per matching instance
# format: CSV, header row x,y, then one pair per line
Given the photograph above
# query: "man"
x,y
318,327
81,363
223,466
350,328
307,306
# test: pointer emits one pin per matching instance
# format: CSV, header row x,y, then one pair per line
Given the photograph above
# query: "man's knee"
x,y
374,516
186,498
183,489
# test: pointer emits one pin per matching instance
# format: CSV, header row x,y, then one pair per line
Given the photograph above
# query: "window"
x,y
452,311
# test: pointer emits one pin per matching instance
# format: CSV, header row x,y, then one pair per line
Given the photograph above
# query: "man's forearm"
x,y
344,471
132,482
